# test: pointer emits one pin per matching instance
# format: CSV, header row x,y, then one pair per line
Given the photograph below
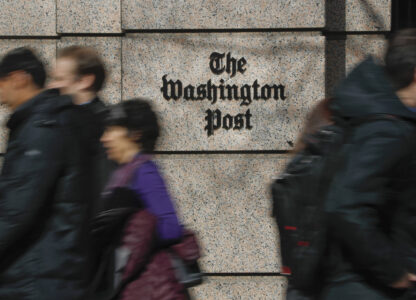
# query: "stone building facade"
x,y
232,82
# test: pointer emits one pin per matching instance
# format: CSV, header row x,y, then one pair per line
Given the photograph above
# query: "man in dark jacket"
x,y
371,202
80,73
43,211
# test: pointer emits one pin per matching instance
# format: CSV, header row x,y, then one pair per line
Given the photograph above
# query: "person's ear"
x,y
20,79
135,135
86,81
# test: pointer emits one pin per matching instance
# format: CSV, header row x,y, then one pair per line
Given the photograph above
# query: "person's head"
x,y
400,58
132,127
79,72
22,75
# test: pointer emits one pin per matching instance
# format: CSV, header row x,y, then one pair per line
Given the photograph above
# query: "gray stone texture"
x,y
295,60
110,50
28,18
46,49
89,16
359,47
360,15
226,200
241,288
171,14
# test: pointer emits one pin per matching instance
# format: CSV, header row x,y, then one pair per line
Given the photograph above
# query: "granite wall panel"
x,y
199,14
110,50
226,199
361,15
89,16
358,47
28,18
241,288
281,76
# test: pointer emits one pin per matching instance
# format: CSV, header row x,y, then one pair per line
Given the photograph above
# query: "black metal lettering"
x,y
266,92
212,92
238,122
232,92
188,93
277,95
241,63
248,117
227,122
213,119
216,63
175,89
245,95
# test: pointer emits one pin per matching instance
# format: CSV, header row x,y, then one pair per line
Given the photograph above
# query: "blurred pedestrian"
x,y
43,211
152,234
80,73
371,204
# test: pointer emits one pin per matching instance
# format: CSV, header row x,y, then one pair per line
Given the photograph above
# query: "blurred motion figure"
x,y
43,211
370,205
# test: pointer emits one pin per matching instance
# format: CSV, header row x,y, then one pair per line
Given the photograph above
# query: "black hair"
x,y
23,59
401,58
87,62
136,115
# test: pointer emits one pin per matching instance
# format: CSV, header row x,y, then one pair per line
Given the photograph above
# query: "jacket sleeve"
x,y
153,192
29,184
358,194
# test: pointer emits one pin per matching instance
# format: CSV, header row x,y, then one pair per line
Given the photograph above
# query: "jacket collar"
x,y
38,103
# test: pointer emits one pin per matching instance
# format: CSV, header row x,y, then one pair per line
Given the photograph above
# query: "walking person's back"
x,y
371,204
43,211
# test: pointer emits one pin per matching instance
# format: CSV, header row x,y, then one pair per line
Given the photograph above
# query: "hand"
x,y
405,282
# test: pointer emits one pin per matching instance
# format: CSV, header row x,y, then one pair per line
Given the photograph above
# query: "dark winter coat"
x,y
90,118
371,201
43,211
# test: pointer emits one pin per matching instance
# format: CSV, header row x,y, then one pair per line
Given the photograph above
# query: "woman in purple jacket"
x,y
131,134
130,137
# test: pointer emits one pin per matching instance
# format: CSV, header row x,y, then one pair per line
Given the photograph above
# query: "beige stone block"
x,y
241,288
292,63
110,50
361,15
226,200
368,15
171,14
88,16
360,46
46,49
22,17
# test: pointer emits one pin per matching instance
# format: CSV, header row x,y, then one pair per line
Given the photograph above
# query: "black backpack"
x,y
299,195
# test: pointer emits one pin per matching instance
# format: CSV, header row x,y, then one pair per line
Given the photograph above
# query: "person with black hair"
x,y
131,134
43,211
370,205
130,139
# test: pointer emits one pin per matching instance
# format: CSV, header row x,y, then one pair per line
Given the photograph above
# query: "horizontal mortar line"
x,y
341,33
322,31
222,30
91,34
29,37
224,152
245,274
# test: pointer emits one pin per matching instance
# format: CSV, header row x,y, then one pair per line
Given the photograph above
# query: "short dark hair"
x,y
401,58
87,62
136,115
24,59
